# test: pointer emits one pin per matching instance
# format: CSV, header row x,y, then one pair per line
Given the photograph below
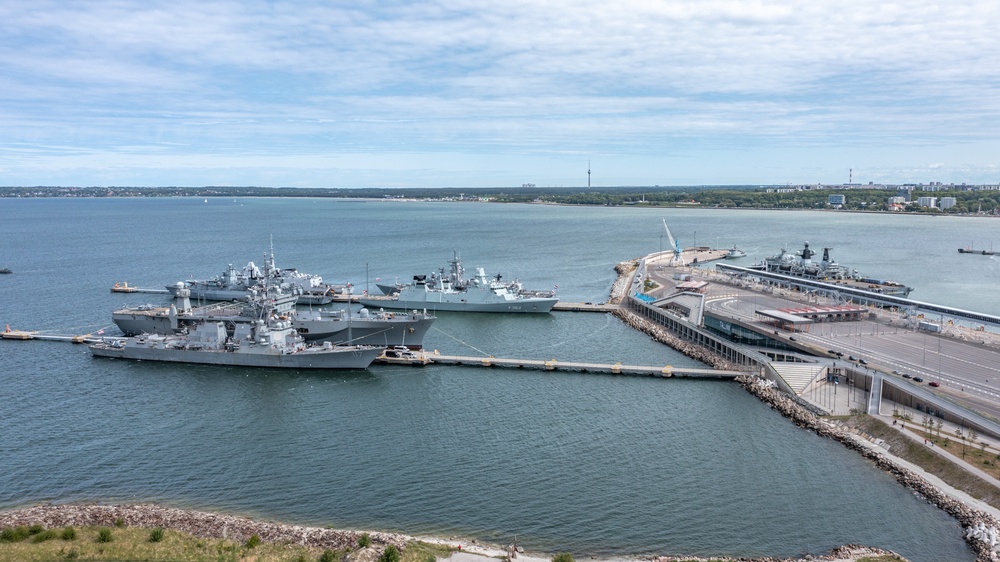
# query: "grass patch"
x,y
425,552
133,543
390,554
925,457
156,535
43,536
104,535
253,541
364,541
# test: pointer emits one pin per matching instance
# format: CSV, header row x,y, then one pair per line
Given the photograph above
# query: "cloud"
x,y
513,77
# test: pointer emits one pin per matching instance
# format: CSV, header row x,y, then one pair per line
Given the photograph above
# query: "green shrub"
x,y
390,554
156,535
563,557
364,541
104,535
35,529
72,554
14,534
119,522
253,541
68,534
328,556
44,536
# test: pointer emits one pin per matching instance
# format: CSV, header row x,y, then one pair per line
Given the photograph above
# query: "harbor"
x,y
463,419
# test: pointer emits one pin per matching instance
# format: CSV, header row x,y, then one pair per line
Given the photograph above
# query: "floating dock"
x,y
124,288
24,335
603,368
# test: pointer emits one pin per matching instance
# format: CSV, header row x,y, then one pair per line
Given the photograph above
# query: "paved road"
x,y
967,372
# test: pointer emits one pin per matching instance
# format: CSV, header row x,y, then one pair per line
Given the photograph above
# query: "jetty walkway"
x,y
421,358
604,368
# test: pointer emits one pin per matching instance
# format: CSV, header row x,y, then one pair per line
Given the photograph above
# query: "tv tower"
x,y
588,174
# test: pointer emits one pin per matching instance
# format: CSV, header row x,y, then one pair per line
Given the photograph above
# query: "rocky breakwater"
x,y
982,530
619,290
197,523
620,287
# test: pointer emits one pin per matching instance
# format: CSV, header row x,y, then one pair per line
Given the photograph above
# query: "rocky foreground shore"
x,y
239,529
197,523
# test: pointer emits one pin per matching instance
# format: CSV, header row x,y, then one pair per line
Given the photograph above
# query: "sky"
x,y
478,93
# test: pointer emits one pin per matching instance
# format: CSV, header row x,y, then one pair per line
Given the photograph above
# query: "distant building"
x,y
905,193
927,202
898,200
948,202
837,200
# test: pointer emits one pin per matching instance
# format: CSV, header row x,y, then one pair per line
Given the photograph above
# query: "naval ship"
x,y
235,284
451,291
801,264
266,342
362,327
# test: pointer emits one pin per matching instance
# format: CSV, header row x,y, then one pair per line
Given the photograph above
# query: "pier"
x,y
26,335
422,358
604,368
124,288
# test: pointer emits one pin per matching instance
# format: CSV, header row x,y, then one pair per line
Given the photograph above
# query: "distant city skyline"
x,y
448,94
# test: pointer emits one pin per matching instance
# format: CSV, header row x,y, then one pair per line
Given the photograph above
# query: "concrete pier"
x,y
605,368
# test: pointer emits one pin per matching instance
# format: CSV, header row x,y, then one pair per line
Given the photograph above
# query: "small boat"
x,y
5,270
734,253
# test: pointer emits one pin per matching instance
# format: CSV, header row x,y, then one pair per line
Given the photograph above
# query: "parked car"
x,y
907,376
918,379
862,361
934,383
851,358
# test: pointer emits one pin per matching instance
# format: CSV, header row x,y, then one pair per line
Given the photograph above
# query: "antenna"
x,y
588,174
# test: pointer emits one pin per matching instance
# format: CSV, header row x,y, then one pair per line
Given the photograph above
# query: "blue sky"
x,y
479,93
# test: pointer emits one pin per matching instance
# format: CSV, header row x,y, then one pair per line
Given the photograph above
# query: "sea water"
x,y
591,464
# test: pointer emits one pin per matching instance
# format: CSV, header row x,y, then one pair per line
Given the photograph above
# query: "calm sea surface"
x,y
595,465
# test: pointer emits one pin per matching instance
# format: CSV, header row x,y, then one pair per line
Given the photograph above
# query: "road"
x,y
967,372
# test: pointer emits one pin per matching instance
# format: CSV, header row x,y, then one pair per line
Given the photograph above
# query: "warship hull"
x,y
461,302
389,330
312,358
379,329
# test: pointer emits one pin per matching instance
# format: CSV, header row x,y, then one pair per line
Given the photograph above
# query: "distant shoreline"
x,y
665,207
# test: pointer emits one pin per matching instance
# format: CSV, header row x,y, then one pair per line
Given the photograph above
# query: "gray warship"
x,y
265,342
801,264
451,291
362,327
235,284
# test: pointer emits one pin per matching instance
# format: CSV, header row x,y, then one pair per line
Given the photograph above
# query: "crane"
x,y
677,259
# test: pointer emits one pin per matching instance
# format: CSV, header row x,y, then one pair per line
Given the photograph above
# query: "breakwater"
x,y
982,530
701,353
